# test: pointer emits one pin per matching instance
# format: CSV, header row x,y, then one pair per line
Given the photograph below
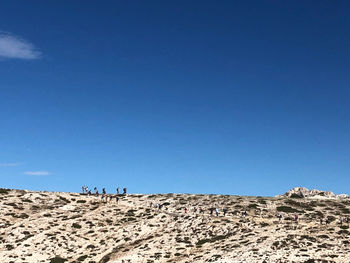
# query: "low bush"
x,y
76,225
4,191
57,260
288,209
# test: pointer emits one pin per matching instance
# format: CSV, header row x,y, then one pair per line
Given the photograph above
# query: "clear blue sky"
x,y
226,97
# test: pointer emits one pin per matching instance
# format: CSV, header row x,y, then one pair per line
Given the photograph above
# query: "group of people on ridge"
x,y
104,195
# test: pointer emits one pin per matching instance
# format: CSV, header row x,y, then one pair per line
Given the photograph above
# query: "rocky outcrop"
x,y
302,192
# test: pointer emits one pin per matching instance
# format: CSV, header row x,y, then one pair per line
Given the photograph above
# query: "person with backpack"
x,y
279,217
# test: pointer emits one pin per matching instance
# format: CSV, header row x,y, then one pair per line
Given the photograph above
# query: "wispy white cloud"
x,y
9,164
37,173
14,47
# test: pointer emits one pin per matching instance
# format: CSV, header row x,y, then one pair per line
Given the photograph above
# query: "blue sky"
x,y
226,97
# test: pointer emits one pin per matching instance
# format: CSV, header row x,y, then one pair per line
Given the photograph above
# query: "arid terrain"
x,y
72,227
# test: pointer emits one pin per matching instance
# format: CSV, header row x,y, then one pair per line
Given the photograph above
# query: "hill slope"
x,y
50,227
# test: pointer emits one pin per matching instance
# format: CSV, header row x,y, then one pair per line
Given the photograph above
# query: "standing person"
x,y
296,217
244,213
201,210
95,190
279,217
118,190
104,191
110,198
83,188
217,211
327,221
225,211
116,199
124,191
185,210
211,211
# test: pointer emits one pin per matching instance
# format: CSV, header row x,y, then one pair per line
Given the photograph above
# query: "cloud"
x,y
9,164
37,173
15,47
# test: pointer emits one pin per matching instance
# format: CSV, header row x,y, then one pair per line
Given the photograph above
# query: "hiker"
x,y
244,213
96,191
151,205
124,191
89,193
110,198
341,221
225,211
217,211
321,220
327,221
116,199
201,210
185,210
211,211
118,190
102,197
296,218
195,209
83,189
104,191
279,217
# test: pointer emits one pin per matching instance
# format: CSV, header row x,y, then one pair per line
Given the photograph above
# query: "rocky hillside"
x,y
71,227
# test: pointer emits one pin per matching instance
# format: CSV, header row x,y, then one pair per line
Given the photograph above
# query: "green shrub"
x,y
4,191
253,206
82,258
75,225
288,209
295,196
57,260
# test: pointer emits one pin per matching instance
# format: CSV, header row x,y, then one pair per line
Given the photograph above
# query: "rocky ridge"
x,y
70,227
